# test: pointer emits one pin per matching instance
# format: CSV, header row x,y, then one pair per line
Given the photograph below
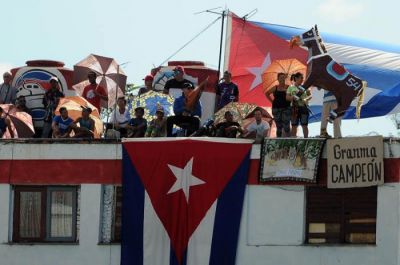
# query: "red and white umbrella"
x,y
109,75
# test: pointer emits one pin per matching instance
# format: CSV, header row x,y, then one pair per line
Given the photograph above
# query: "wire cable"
x,y
191,40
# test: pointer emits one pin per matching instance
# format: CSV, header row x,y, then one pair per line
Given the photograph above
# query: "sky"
x,y
145,33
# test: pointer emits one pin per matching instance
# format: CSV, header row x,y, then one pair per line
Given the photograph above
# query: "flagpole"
x,y
220,43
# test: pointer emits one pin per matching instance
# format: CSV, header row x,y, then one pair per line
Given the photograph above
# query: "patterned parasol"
x,y
150,101
239,111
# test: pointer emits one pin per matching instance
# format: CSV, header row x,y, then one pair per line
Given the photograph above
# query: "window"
x,y
111,214
341,216
45,214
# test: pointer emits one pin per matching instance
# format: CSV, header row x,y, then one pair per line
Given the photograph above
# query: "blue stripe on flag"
x,y
173,260
227,217
132,223
286,33
376,77
389,99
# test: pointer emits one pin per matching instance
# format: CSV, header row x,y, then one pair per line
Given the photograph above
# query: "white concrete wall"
x,y
272,234
275,215
87,251
286,250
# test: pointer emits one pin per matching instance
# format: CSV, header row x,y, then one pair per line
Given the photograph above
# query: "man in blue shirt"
x,y
62,124
184,117
137,126
227,91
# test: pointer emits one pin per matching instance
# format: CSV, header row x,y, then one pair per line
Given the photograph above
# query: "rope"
x,y
191,40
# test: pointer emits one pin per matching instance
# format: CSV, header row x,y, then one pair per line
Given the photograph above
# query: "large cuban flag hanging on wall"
x,y
182,200
252,46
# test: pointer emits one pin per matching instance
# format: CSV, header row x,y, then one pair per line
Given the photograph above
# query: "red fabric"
x,y
109,172
179,216
92,98
248,48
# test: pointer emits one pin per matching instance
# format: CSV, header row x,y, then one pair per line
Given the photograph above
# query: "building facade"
x,y
60,204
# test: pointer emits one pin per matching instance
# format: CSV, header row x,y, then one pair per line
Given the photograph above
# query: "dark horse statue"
x,y
324,72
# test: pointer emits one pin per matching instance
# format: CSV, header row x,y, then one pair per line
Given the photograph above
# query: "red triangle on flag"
x,y
250,49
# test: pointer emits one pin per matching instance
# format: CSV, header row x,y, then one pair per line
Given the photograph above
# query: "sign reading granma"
x,y
290,159
355,162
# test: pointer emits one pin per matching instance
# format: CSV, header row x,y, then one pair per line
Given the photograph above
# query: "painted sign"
x,y
355,162
290,159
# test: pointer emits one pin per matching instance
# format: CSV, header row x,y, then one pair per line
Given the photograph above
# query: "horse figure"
x,y
324,72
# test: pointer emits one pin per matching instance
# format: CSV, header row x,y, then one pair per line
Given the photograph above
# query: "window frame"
x,y
45,221
347,210
17,218
51,189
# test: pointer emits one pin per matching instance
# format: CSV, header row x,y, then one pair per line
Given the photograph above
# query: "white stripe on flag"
x,y
317,96
394,111
199,248
357,55
156,243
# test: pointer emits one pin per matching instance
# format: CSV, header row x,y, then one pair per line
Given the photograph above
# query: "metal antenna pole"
x,y
220,44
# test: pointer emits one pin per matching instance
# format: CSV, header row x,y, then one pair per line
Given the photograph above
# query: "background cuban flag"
x,y
182,200
252,46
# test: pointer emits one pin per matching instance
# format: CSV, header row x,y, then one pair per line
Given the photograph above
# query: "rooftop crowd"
x,y
289,108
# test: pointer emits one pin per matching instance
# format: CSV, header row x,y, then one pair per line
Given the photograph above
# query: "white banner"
x,y
355,162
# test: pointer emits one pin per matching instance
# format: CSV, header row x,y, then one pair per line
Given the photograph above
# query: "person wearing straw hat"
x,y
158,126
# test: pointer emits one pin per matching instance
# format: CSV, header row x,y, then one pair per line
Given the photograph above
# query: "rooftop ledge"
x,y
111,149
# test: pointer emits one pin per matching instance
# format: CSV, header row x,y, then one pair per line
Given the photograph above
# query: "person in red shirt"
x,y
93,92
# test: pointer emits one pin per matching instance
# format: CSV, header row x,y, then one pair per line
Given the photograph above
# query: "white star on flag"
x,y
184,179
258,71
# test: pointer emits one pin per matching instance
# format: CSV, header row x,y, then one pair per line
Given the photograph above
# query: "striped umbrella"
x,y
109,75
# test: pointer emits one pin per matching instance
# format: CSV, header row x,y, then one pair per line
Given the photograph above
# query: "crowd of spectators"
x,y
184,122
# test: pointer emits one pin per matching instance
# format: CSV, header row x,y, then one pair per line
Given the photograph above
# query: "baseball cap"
x,y
148,78
53,78
88,109
179,69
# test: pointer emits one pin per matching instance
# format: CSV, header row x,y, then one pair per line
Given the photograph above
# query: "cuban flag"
x,y
182,200
252,46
